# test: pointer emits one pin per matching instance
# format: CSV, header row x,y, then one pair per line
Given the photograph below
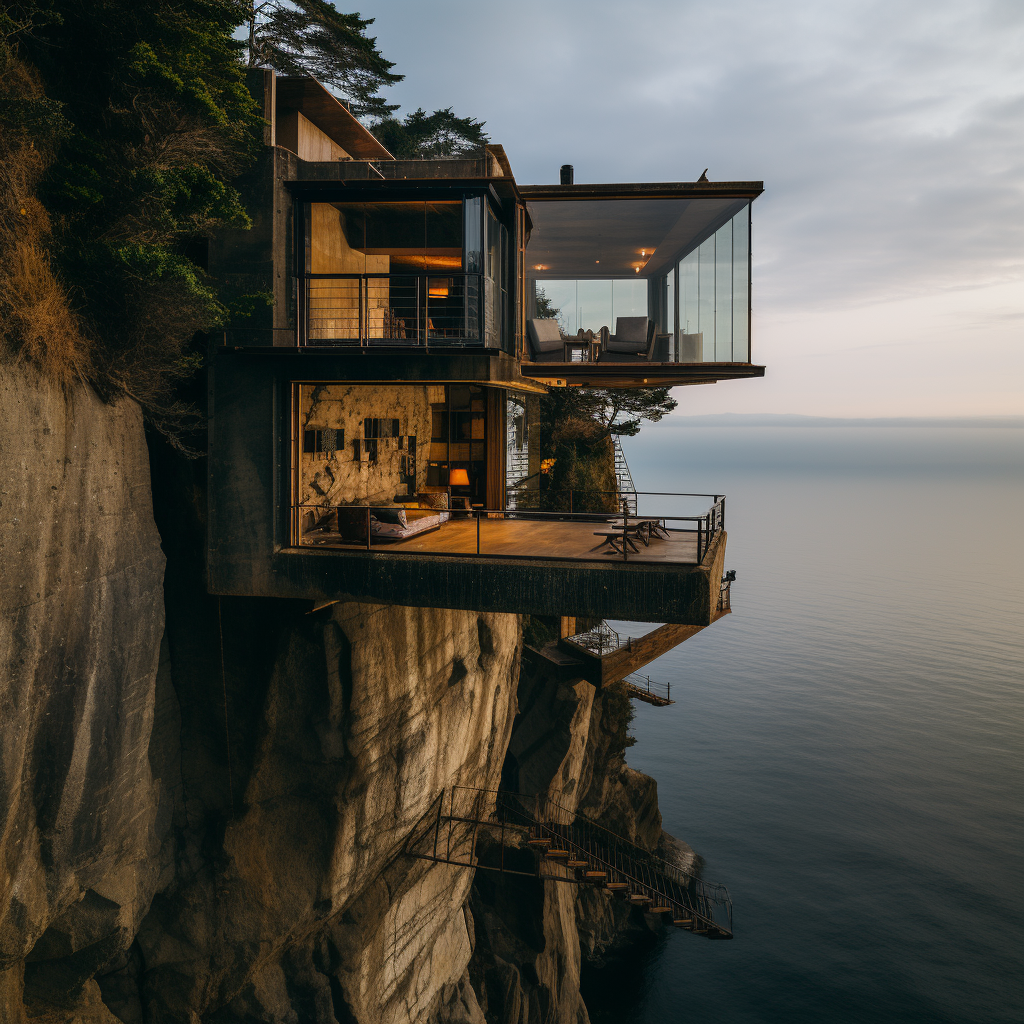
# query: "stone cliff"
x,y
205,801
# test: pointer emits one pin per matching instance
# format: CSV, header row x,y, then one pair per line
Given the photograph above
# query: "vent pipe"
x,y
565,174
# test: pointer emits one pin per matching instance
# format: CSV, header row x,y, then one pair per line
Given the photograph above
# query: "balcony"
x,y
639,284
406,274
401,310
533,562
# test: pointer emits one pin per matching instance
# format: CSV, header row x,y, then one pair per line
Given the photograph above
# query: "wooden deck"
x,y
524,538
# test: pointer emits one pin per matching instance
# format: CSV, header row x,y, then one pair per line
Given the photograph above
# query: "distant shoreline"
x,y
730,419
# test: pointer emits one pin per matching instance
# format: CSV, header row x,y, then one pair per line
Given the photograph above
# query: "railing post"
x,y
700,523
367,527
477,513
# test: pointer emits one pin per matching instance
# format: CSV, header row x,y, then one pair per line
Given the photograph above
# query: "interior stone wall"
x,y
340,479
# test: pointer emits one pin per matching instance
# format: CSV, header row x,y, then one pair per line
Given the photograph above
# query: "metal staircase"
x,y
566,847
623,478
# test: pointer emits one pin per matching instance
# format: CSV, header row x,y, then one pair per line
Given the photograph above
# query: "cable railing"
x,y
444,308
505,532
572,848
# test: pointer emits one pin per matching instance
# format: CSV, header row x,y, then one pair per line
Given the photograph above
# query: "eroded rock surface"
x,y
81,617
363,717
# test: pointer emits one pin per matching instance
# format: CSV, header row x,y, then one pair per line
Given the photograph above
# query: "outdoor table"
x,y
644,527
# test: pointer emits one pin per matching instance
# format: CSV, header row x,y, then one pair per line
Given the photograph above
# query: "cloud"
x,y
889,135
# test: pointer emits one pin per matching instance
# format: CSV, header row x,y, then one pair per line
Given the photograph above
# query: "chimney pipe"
x,y
565,174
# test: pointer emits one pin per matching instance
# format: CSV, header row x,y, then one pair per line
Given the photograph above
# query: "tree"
x,y
428,136
157,123
618,411
312,37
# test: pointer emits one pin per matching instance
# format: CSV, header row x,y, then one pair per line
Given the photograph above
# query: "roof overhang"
x,y
597,232
331,116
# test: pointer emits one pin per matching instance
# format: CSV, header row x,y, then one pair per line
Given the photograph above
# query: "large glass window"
x,y
714,295
406,273
591,305
683,262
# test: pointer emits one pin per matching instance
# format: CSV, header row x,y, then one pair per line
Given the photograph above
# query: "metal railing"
x,y
359,523
441,308
573,848
649,690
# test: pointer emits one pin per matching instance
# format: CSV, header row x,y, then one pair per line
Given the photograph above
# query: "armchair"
x,y
546,342
632,342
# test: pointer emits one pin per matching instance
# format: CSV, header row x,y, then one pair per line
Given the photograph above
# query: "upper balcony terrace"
x,y
639,283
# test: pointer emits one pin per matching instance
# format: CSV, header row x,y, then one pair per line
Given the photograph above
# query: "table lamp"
x,y
459,478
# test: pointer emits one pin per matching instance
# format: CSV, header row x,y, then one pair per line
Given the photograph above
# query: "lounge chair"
x,y
546,342
632,342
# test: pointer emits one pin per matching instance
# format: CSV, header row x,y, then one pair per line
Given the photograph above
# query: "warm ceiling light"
x,y
539,266
637,269
437,288
597,261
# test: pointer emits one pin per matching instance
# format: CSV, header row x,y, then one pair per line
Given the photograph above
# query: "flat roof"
x,y
597,232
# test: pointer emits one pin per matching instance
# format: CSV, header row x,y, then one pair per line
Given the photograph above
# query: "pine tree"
x,y
429,136
312,37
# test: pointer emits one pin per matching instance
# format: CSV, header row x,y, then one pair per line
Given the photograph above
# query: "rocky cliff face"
x,y
84,816
206,802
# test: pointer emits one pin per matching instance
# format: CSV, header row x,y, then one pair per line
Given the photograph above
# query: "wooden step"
x,y
556,854
615,886
638,897
660,909
577,863
682,922
596,876
539,842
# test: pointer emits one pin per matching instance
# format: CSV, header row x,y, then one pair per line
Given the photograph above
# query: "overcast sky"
x,y
889,243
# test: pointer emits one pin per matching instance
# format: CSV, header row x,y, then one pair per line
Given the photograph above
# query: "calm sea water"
x,y
845,750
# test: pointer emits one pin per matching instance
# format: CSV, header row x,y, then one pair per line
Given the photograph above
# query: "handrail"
x,y
575,829
708,525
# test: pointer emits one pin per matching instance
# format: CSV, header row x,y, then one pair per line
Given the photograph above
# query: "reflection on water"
x,y
845,750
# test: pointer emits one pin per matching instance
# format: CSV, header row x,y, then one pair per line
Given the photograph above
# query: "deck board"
x,y
539,539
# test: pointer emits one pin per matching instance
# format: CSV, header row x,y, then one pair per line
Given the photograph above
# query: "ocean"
x,y
845,750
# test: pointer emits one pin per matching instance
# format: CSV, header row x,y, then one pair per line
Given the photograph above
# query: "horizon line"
x,y
775,419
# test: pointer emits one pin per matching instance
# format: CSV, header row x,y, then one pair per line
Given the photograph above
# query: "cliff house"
x,y
373,426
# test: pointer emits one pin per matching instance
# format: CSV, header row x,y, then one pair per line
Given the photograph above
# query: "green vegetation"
x,y
132,121
578,425
429,136
311,37
123,128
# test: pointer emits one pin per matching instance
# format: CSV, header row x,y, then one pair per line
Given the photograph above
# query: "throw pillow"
x,y
390,515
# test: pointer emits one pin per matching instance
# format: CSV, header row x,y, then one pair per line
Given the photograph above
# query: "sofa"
x,y
387,521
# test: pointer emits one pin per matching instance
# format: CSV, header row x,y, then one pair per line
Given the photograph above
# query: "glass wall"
x,y
591,305
714,296
405,273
